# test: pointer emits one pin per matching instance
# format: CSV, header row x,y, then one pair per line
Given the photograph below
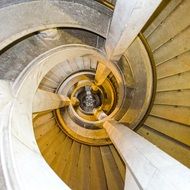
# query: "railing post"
x,y
149,167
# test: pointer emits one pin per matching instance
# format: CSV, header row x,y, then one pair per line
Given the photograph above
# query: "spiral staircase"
x,y
85,104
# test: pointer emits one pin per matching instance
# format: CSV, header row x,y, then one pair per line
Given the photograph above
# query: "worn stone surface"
x,y
16,58
95,4
39,15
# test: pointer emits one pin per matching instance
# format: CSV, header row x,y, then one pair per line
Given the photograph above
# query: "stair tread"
x,y
172,113
97,173
114,179
119,162
83,171
174,130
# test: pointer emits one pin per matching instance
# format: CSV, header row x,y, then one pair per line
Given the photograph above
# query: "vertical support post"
x,y
148,166
128,19
44,101
102,73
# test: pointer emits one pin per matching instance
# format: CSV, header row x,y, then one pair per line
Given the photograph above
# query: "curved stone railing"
x,y
34,16
23,166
